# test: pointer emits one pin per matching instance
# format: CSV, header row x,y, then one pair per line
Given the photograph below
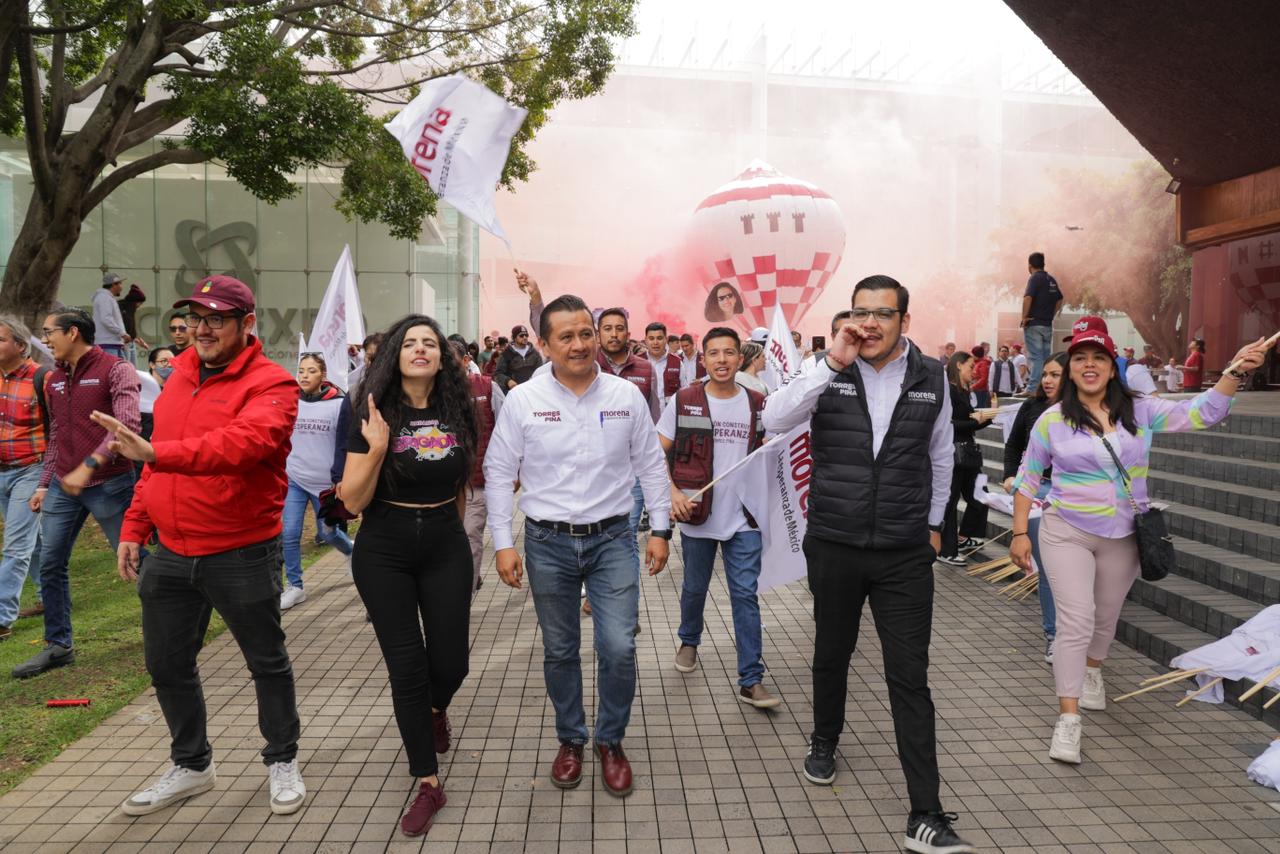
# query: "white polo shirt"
x,y
576,457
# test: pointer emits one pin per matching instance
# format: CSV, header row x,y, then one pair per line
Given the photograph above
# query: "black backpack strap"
x,y
42,374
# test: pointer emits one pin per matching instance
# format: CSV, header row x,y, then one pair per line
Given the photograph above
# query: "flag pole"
x,y
1265,345
739,464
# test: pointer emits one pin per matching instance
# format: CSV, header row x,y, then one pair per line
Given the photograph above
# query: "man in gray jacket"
x,y
109,332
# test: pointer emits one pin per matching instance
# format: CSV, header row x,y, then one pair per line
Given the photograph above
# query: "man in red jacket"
x,y
213,490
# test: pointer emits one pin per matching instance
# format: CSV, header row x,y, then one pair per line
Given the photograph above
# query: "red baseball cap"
x,y
1091,330
220,293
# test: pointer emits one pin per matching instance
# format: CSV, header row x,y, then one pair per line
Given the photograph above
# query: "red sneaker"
x,y
566,771
443,731
616,770
416,820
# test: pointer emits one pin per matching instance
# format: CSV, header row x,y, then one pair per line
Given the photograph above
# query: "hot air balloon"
x,y
765,239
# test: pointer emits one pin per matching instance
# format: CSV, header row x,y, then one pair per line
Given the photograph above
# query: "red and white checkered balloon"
x,y
777,240
1254,265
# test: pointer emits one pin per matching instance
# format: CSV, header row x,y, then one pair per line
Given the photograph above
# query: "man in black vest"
x,y
882,459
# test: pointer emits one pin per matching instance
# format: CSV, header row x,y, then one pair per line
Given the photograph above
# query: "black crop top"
x,y
429,456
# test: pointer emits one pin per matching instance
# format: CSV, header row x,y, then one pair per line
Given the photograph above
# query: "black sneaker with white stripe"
x,y
820,761
931,833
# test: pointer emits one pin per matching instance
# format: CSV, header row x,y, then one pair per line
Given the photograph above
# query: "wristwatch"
x,y
91,462
661,533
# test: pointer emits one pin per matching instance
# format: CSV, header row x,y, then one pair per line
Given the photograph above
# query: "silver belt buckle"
x,y
576,530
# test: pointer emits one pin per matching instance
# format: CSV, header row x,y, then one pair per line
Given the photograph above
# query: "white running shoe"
x,y
287,789
1094,695
175,784
1065,746
292,596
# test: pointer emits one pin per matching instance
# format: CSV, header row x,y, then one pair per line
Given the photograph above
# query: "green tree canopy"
x,y
266,87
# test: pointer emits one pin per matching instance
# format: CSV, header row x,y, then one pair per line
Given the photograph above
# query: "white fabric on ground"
x,y
1252,651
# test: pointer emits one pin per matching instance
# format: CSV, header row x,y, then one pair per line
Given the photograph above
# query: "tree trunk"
x,y
34,270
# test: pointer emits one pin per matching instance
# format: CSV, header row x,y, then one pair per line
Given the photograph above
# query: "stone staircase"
x,y
1223,490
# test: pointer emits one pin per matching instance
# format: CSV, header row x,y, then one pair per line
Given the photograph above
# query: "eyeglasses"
x,y
523,335
727,296
214,321
161,363
177,329
46,332
858,315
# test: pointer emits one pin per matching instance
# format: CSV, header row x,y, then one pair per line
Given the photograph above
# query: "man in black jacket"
x,y
880,421
518,361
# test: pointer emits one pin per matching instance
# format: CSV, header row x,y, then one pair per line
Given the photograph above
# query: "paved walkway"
x,y
712,775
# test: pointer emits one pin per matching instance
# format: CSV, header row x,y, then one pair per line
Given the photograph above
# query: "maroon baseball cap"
x,y
220,293
517,331
1091,330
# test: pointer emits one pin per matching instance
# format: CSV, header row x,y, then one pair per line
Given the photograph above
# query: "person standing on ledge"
x,y
577,437
882,460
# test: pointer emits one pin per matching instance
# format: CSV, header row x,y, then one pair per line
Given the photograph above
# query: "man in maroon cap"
x,y
213,490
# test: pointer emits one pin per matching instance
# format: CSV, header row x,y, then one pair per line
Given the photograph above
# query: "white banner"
x,y
1004,418
781,359
1003,501
774,487
457,135
339,321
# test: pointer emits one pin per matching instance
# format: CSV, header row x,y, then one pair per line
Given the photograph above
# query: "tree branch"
x,y
58,93
147,122
97,81
133,169
33,117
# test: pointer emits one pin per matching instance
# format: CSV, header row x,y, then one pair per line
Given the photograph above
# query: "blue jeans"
x,y
1048,614
1039,347
741,554
61,518
637,509
21,538
116,350
295,509
558,565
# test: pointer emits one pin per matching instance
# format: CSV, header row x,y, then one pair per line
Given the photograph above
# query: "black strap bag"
x,y
1155,546
968,456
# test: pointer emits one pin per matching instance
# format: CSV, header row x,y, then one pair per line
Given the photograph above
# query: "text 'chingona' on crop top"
x,y
426,456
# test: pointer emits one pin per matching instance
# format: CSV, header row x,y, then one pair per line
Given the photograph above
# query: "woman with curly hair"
x,y
409,458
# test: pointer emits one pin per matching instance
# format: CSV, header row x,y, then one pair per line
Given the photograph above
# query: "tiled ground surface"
x,y
712,775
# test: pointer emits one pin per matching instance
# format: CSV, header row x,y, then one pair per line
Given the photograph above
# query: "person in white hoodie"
x,y
308,467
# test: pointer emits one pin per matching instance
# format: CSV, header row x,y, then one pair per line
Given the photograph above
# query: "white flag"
x,y
457,134
774,487
339,321
302,346
781,359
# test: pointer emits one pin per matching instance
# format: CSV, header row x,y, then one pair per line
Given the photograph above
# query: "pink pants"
x,y
1089,576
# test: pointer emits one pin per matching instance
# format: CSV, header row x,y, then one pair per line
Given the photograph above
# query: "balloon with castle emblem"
x,y
765,239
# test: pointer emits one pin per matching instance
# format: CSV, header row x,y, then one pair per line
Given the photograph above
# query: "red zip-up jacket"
x,y
219,480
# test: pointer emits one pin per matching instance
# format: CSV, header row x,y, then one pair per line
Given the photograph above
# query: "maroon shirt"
x,y
100,381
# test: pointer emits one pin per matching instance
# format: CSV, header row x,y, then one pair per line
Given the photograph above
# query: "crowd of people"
x,y
200,469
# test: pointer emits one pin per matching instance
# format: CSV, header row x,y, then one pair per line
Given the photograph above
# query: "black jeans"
x,y
974,523
178,595
900,585
409,562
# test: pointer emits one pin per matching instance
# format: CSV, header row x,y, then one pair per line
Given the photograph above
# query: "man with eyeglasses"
x,y
518,361
213,490
880,429
179,334
82,476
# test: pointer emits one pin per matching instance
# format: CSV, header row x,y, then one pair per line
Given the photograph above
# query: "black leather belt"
x,y
584,529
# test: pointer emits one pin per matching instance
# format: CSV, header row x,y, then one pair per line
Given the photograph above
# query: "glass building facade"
x,y
168,228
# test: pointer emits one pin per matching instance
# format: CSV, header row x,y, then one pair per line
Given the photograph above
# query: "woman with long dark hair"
x,y
723,303
1097,442
409,458
1015,447
965,423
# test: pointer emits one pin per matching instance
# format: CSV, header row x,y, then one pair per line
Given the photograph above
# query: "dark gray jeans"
x,y
178,595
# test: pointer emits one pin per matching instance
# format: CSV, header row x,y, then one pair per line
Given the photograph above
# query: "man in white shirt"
x,y
576,438
881,436
1004,375
728,415
108,323
691,364
1020,366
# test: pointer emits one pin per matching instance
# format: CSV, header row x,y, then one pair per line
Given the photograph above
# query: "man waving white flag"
x,y
457,134
781,359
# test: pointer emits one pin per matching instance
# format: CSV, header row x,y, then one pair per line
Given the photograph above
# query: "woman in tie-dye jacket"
x,y
1086,536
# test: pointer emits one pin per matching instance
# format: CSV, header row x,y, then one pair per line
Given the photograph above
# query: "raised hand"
x,y
375,429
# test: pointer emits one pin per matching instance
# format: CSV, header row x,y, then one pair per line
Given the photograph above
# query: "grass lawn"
x,y
109,668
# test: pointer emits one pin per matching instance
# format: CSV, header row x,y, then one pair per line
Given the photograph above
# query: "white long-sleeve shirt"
x,y
108,322
576,457
796,402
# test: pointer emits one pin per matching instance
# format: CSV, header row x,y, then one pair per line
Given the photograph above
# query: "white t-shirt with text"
x,y
731,423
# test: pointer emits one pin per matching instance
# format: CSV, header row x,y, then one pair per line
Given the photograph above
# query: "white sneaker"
x,y
1065,746
292,596
287,789
1094,696
1049,643
176,784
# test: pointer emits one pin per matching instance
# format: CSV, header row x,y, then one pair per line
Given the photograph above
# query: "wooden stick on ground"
x,y
991,564
1034,588
1269,703
1163,676
1006,572
1187,699
1260,684
1169,681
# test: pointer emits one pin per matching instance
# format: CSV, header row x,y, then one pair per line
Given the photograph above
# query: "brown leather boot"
x,y
615,769
566,771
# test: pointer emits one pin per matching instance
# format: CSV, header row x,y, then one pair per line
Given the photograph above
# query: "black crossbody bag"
x,y
1155,546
